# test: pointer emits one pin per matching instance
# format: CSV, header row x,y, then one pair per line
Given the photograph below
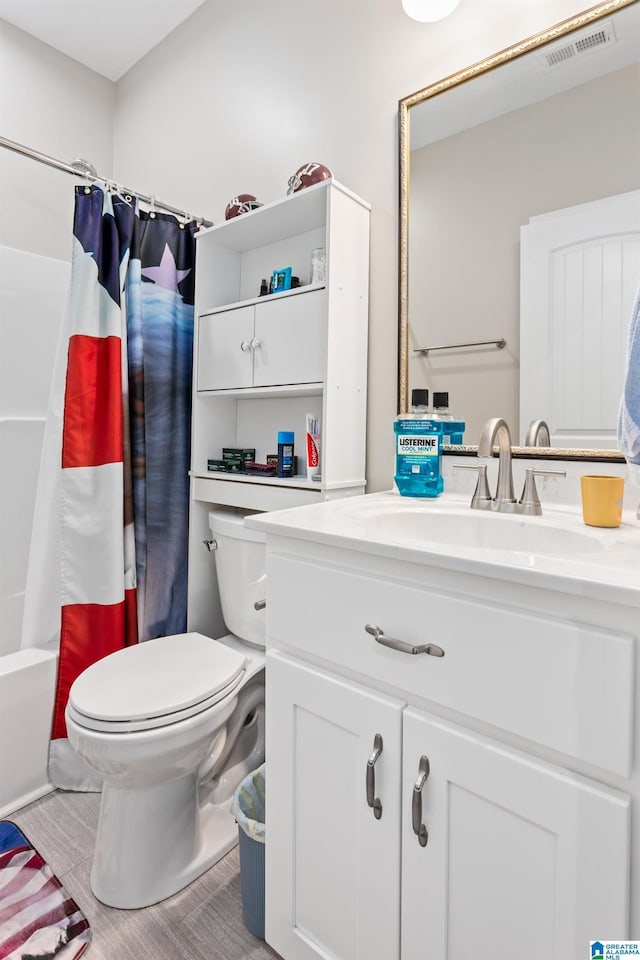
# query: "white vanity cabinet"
x,y
262,363
513,850
333,887
491,753
521,855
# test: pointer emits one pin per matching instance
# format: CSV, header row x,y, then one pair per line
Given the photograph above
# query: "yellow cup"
x,y
602,500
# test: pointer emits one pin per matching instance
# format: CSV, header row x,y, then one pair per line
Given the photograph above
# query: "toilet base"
x,y
130,869
153,842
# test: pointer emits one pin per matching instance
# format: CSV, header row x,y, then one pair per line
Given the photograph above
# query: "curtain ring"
x,y
152,205
85,170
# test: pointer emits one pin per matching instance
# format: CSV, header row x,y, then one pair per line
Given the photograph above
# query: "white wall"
x,y
242,93
56,106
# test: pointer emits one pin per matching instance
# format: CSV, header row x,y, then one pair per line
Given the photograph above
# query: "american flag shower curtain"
x,y
125,424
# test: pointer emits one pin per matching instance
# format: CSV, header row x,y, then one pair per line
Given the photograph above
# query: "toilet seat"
x,y
156,683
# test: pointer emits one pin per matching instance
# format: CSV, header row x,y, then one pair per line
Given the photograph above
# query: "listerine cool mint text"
x,y
418,449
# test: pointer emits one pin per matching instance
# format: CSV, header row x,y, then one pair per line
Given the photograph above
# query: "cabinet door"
x,y
291,334
523,859
225,355
332,867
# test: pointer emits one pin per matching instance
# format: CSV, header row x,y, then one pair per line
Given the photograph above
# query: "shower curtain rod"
x,y
82,170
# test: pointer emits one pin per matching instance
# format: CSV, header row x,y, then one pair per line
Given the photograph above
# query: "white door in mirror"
x,y
579,276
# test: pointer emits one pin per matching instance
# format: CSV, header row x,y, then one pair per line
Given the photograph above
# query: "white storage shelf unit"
x,y
262,363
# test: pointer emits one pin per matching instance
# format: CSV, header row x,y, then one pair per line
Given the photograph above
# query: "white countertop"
x,y
569,557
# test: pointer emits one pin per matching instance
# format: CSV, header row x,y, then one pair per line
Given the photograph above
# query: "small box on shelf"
x,y
272,458
226,465
261,469
239,453
281,280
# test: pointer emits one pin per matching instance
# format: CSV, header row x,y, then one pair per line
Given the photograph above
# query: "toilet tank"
x,y
240,557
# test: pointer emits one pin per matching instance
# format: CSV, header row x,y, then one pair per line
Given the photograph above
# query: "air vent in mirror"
x,y
584,42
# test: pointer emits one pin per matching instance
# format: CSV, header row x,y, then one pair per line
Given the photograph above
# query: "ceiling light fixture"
x,y
428,11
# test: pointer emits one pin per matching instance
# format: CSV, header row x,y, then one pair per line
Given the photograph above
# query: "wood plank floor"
x,y
202,922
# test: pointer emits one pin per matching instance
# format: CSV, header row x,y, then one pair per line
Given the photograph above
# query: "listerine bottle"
x,y
452,428
418,449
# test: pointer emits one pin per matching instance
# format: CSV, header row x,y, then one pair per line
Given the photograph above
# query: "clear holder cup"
x,y
318,265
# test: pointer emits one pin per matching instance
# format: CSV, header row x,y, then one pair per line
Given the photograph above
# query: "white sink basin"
x,y
473,529
449,527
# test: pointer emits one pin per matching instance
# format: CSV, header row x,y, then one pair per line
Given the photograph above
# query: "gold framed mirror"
x,y
439,115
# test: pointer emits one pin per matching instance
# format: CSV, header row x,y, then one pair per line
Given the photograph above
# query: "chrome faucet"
x,y
504,501
494,430
538,434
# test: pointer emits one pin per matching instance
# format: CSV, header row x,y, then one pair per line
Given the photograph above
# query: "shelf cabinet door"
x,y
523,858
225,355
332,868
291,335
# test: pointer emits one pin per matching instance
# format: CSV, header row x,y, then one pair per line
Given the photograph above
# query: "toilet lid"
x,y
157,679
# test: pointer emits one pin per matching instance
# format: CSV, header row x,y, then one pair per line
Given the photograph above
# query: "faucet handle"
x,y
530,501
481,499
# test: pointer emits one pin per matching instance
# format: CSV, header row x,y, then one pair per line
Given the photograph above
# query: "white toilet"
x,y
172,726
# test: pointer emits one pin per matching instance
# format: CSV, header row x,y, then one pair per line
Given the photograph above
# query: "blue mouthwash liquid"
x,y
452,429
418,449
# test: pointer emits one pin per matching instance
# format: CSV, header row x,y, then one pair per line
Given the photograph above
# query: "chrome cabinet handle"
x,y
378,635
374,802
245,346
255,343
416,802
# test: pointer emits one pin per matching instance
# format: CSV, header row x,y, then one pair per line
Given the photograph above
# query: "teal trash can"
x,y
248,808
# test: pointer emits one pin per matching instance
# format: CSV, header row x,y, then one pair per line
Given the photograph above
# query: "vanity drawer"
x,y
560,683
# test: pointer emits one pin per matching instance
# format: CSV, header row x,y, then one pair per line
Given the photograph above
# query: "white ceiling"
x,y
107,36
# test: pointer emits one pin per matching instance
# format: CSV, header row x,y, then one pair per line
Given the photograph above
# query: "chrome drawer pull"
x,y
374,802
378,635
416,802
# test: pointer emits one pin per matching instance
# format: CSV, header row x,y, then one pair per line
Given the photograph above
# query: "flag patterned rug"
x,y
38,919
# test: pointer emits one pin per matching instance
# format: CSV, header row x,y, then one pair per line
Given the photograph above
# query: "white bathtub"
x,y
27,686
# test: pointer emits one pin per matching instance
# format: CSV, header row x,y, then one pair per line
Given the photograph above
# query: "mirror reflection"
x,y
521,222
